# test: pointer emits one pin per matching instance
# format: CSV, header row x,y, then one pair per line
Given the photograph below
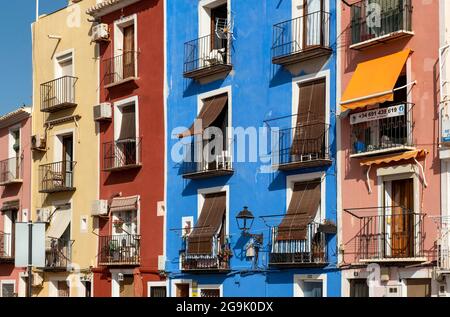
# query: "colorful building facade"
x,y
130,259
389,157
65,149
258,67
15,180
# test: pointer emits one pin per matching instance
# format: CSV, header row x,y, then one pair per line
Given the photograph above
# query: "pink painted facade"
x,y
359,243
15,182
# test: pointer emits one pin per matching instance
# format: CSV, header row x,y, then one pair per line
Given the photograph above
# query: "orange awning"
x,y
415,154
374,81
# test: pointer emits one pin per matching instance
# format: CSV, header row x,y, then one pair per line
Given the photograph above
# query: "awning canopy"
x,y
374,81
59,222
200,241
211,110
415,154
302,210
12,205
128,127
124,204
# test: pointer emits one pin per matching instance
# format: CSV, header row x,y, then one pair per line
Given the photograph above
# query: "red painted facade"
x,y
147,181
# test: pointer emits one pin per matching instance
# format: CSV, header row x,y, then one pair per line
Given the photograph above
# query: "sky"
x,y
15,50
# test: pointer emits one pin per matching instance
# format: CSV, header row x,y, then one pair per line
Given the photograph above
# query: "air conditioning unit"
x,y
103,112
38,142
100,33
43,215
99,208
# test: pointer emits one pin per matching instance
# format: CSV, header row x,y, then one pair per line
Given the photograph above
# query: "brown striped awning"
x,y
210,222
302,210
12,205
124,204
211,110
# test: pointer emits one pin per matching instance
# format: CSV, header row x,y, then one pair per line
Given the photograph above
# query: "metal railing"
x,y
10,170
122,154
443,243
300,34
312,250
394,130
58,93
207,51
303,143
56,176
120,249
120,68
376,18
195,161
6,246
218,259
389,233
58,253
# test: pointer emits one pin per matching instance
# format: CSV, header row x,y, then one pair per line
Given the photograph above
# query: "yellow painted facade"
x,y
62,48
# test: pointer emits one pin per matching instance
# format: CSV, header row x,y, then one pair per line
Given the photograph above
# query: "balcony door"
x,y
128,52
219,20
67,160
125,152
313,21
63,90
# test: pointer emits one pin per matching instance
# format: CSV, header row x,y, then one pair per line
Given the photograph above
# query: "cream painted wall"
x,y
72,27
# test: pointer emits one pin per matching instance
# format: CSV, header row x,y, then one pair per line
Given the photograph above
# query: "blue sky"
x,y
15,50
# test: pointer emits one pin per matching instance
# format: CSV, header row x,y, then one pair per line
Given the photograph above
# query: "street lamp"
x,y
245,220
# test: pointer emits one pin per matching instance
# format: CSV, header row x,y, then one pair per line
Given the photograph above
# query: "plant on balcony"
x,y
224,256
118,225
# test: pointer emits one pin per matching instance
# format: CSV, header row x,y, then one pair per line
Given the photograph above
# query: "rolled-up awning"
x,y
374,81
124,204
302,210
12,205
408,155
211,110
59,222
200,241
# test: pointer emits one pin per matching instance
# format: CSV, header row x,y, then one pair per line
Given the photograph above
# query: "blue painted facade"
x,y
260,91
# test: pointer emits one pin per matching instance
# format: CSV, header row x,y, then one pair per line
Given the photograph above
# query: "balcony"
x,y
56,177
58,254
369,29
11,171
215,262
119,250
195,166
208,55
121,69
311,252
58,94
382,131
303,146
122,155
6,248
389,235
301,39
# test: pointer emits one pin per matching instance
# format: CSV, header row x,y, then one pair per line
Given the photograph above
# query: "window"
x,y
64,65
359,288
418,287
7,289
182,289
127,286
63,289
312,288
310,285
87,289
157,291
123,66
210,292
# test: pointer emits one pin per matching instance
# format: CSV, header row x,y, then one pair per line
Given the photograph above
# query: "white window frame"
x,y
119,25
115,284
212,190
7,282
58,144
210,286
173,286
204,15
300,278
59,58
118,105
151,284
12,130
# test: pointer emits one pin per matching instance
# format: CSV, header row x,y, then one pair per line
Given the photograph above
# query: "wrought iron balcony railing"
x,y
6,247
305,145
122,154
382,130
389,234
196,165
217,260
309,252
121,68
11,171
58,254
443,244
58,94
302,38
119,250
57,177
380,19
207,55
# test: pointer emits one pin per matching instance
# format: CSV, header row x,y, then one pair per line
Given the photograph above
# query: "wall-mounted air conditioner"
x,y
38,142
43,215
100,32
99,208
103,112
